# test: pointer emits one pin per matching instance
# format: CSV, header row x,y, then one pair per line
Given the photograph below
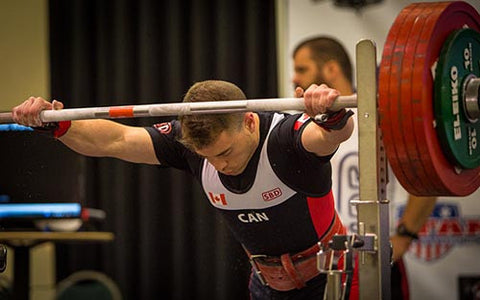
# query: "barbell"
x,y
428,100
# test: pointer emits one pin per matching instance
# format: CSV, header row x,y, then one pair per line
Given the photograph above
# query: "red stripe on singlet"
x,y
300,121
322,210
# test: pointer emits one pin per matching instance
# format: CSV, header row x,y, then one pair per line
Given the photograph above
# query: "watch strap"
x,y
403,231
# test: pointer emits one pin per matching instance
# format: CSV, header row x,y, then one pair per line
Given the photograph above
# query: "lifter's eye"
x,y
226,153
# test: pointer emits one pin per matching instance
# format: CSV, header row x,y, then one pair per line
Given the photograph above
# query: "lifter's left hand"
x,y
318,98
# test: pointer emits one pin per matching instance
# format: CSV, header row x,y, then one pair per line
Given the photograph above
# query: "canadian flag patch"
x,y
300,121
217,199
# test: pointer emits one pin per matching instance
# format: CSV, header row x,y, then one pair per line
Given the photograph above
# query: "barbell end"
x,y
6,117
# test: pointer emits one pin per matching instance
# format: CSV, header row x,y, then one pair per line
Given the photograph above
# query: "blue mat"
x,y
14,127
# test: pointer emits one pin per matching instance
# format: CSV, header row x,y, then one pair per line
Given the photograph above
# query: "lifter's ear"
x,y
249,121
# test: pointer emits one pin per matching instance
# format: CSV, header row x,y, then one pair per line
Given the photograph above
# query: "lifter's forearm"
x,y
93,137
103,138
324,142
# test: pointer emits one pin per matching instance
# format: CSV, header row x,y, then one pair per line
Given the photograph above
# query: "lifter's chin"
x,y
234,172
230,173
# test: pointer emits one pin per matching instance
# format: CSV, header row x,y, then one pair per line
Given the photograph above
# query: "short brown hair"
x,y
199,131
323,49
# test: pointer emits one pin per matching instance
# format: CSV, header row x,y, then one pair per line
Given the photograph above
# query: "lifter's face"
x,y
306,70
232,150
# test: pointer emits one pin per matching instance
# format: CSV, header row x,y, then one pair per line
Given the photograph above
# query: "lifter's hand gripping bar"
x,y
177,109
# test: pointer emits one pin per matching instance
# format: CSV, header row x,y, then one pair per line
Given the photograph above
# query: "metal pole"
x,y
372,208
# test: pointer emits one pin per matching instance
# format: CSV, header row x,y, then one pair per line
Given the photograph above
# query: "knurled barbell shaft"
x,y
177,109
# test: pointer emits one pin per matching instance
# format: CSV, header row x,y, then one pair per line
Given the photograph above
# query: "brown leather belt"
x,y
286,272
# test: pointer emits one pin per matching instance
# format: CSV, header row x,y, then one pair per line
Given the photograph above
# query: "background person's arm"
x,y
416,213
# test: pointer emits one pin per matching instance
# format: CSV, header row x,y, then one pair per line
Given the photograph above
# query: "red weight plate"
x,y
397,115
424,184
386,123
419,132
439,25
401,112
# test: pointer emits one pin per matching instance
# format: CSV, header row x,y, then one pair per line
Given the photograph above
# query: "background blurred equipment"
x,y
23,241
356,4
3,258
88,285
26,216
67,217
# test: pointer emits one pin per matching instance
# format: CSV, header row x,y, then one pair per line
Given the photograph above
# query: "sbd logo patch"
x,y
273,194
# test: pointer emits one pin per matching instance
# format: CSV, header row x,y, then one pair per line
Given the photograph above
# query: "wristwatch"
x,y
403,231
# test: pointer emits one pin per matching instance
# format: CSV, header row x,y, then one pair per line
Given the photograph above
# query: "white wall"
x,y
23,51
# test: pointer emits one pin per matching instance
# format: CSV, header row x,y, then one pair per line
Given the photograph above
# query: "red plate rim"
x,y
384,98
420,135
396,112
406,123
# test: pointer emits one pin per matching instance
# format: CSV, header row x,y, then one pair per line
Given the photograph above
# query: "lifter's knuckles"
x,y
28,113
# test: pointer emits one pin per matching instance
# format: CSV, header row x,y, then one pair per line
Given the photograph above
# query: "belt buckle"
x,y
325,257
256,269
